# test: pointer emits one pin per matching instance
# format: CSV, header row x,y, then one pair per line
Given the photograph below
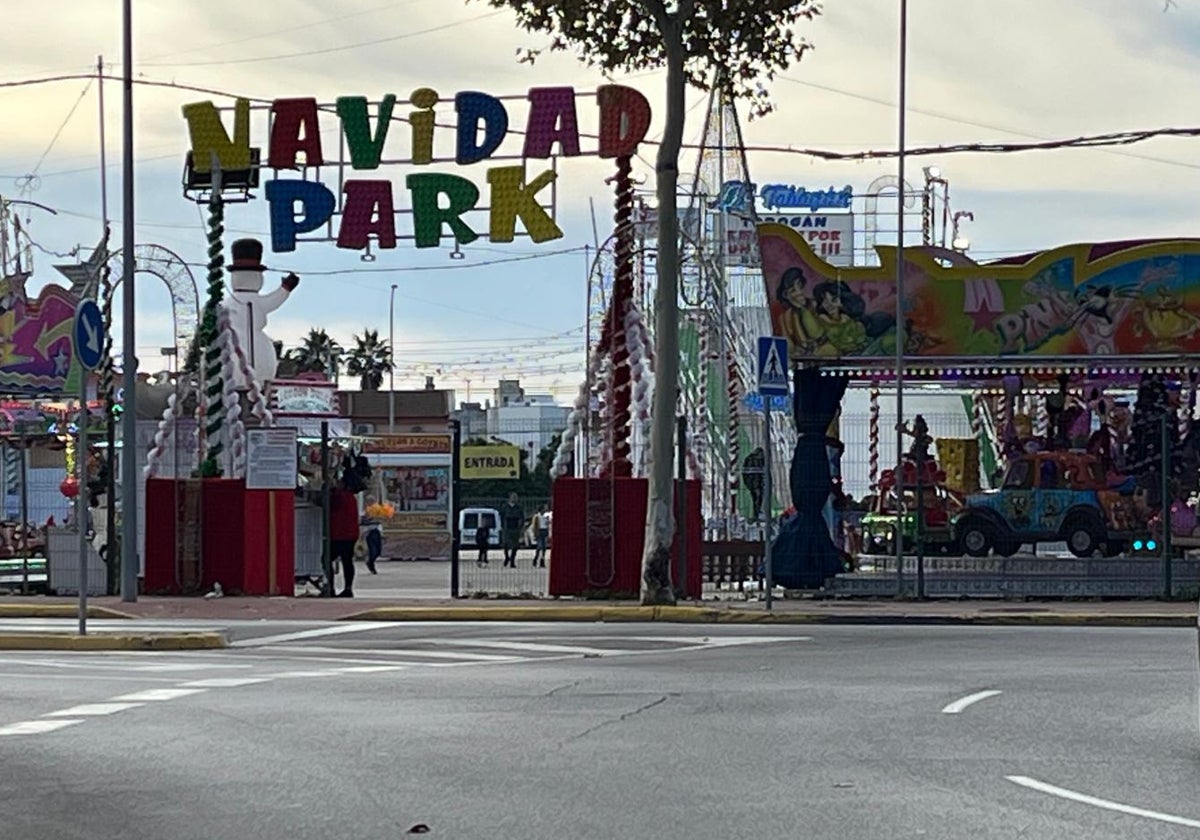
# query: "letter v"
x,y
365,150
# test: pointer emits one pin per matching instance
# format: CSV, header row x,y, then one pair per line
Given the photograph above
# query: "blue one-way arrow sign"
x,y
89,334
772,366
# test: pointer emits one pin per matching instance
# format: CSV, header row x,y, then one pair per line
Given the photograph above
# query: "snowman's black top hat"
x,y
247,255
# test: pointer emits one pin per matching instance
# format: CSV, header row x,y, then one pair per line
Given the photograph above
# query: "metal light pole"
x,y
392,362
900,330
129,363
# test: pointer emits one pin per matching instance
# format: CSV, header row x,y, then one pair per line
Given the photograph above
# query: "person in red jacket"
x,y
343,533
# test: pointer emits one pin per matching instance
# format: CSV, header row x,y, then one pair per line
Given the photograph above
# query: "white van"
x,y
469,520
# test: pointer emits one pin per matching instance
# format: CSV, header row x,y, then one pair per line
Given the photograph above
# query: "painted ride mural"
x,y
1109,300
36,350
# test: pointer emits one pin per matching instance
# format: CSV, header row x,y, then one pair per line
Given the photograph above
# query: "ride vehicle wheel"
x,y
976,536
1083,535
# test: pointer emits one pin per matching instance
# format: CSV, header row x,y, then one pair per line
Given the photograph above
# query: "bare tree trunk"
x,y
660,517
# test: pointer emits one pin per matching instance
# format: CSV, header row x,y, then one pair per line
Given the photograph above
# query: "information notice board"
x,y
271,459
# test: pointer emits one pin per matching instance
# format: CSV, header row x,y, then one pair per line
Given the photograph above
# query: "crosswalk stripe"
x,y
37,727
399,652
94,710
155,695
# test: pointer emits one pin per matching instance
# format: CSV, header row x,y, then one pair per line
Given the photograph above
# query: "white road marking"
x,y
120,666
36,727
315,633
526,646
370,669
91,678
421,654
971,699
155,695
94,710
1097,802
225,682
292,675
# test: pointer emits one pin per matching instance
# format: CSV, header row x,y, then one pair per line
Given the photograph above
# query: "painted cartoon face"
x,y
794,294
830,303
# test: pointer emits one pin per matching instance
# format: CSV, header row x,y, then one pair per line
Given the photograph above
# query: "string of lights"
x,y
1090,141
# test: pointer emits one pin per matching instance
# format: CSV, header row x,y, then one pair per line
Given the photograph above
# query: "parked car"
x,y
468,522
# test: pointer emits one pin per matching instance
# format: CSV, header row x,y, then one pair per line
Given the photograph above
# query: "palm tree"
x,y
318,354
369,360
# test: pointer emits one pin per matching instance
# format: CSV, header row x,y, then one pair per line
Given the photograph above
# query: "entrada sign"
x,y
738,197
437,200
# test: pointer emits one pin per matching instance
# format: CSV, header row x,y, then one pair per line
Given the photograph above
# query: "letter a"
x,y
290,116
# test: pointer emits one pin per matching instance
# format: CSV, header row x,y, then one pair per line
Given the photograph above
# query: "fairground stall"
x,y
1080,365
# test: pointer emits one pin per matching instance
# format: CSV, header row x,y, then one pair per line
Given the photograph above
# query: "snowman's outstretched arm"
x,y
273,300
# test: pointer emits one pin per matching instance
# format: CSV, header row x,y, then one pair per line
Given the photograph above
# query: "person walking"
x,y
483,538
512,523
343,533
541,534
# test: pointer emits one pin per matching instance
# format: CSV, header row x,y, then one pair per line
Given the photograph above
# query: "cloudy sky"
x,y
980,71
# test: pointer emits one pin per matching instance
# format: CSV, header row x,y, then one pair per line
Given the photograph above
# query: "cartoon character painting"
x,y
248,310
1100,301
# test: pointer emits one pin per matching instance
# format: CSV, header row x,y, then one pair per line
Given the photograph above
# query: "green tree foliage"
x,y
319,353
369,360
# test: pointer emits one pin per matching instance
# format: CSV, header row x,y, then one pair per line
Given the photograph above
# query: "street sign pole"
x,y
768,497
88,338
772,382
81,516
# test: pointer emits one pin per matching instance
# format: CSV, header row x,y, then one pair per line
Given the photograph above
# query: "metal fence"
x,y
1029,577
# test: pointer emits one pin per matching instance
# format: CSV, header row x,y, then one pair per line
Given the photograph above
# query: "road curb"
x,y
706,615
57,611
113,641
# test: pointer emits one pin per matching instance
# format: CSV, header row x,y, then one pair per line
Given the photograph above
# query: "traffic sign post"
x,y
772,382
89,348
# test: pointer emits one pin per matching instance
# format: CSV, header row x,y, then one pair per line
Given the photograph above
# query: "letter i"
x,y
422,125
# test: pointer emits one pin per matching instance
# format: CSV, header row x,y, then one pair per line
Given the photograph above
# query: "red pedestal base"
x,y
247,537
600,533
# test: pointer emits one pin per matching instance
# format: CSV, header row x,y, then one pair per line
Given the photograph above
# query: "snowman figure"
x,y
248,310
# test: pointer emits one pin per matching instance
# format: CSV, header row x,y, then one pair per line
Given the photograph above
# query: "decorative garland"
x,y
604,395
735,443
566,447
208,338
873,435
637,340
166,427
617,425
705,367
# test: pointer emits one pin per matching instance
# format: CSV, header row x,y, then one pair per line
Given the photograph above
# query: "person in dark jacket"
x,y
343,533
483,536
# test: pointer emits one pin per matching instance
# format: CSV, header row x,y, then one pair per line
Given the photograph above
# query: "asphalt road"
x,y
609,731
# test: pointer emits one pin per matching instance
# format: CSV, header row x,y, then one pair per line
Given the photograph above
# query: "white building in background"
x,y
527,420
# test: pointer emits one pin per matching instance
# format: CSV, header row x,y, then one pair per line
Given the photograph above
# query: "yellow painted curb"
x,y
57,611
113,641
712,615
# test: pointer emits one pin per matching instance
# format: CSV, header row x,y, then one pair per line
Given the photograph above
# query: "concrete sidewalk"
x,y
799,611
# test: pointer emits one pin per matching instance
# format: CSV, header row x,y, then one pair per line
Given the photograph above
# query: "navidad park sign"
x,y
367,207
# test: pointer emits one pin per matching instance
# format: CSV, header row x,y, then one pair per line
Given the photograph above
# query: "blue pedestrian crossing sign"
x,y
89,334
772,366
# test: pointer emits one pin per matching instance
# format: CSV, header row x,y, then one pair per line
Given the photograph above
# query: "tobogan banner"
x,y
495,462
